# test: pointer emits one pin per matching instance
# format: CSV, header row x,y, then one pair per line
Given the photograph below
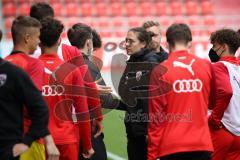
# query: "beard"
x,y
154,45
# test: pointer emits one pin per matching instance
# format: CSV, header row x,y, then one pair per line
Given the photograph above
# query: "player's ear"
x,y
59,41
189,45
27,37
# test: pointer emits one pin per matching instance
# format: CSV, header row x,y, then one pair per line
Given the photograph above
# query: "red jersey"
x,y
72,55
178,118
226,93
60,83
34,68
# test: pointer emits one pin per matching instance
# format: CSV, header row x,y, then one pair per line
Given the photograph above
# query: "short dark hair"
x,y
21,25
0,35
97,41
41,10
51,31
143,35
178,33
78,34
226,36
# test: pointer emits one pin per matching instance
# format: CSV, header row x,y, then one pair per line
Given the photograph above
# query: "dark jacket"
x,y
108,100
133,89
163,55
16,91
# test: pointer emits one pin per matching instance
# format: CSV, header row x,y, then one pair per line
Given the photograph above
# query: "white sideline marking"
x,y
114,156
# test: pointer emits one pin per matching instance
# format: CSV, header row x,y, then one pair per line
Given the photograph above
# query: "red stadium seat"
x,y
127,1
115,1
71,1
165,21
100,1
105,34
89,21
192,8
71,21
9,35
52,1
209,21
8,1
160,9
23,1
176,8
86,9
118,22
206,7
71,9
103,23
194,21
24,9
119,34
178,19
146,8
133,22
64,35
83,1
131,9
116,9
101,9
9,9
58,9
8,22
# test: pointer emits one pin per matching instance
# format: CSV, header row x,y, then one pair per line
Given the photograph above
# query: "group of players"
x,y
51,108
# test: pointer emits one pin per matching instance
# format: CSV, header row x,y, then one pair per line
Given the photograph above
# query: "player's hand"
x,y
214,124
52,151
97,128
88,154
103,89
19,148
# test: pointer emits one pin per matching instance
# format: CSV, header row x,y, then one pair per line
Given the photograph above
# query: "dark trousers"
x,y
99,148
199,155
137,148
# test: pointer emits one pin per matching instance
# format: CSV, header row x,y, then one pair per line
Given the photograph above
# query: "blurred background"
x,y
113,18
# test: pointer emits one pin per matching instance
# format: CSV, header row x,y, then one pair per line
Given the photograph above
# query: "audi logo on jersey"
x,y
52,90
185,86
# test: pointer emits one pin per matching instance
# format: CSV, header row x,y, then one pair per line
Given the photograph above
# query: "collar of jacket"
x,y
141,53
161,49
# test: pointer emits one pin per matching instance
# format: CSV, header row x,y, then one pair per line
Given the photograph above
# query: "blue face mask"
x,y
214,57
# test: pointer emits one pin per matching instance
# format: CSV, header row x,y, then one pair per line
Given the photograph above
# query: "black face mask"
x,y
214,57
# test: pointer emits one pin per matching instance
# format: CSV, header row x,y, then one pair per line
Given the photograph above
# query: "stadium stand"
x,y
111,16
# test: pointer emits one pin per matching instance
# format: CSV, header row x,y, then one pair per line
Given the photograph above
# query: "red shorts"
x,y
68,151
226,145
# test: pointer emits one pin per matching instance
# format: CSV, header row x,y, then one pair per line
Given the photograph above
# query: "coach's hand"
x,y
97,128
52,151
88,154
103,89
19,148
